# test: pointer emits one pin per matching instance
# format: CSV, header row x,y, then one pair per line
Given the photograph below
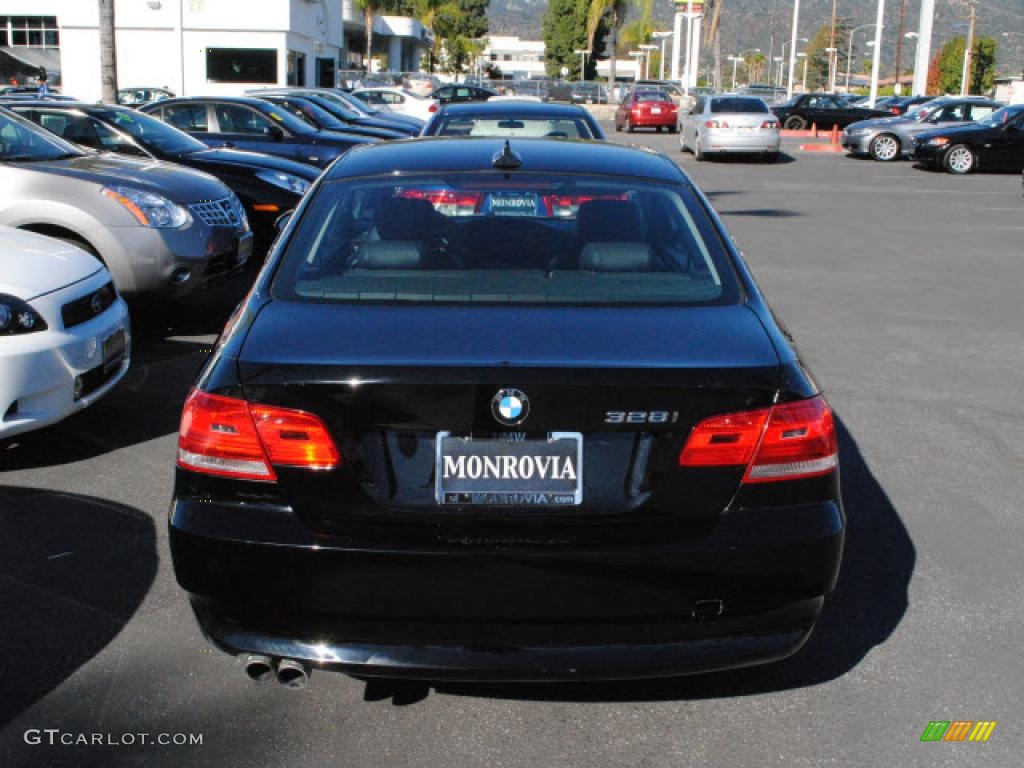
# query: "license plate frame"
x,y
525,203
503,492
115,346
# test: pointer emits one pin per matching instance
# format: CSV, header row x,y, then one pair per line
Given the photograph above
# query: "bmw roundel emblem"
x,y
510,407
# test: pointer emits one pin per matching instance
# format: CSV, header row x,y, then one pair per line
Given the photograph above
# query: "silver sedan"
x,y
890,138
728,124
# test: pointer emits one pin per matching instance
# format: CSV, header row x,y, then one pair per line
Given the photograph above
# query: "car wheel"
x,y
884,147
698,153
672,128
682,141
629,127
618,127
794,123
960,159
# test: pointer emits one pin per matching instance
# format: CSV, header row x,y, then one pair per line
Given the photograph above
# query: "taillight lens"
x,y
894,110
769,124
716,124
450,202
567,206
432,108
228,437
785,442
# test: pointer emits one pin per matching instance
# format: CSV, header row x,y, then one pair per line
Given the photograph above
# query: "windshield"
x,y
292,122
510,239
22,140
151,132
354,101
333,105
735,105
512,125
311,113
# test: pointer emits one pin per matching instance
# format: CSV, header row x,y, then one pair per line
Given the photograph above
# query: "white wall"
x,y
150,44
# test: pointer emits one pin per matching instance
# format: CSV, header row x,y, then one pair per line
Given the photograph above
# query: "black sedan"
x,y
267,185
461,94
514,119
353,119
505,411
824,110
254,124
331,120
993,144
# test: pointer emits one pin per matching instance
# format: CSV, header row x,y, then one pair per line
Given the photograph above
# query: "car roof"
x,y
527,108
432,154
251,101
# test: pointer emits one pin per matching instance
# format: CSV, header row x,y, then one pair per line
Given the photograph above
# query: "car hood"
x,y
878,122
31,264
257,161
175,182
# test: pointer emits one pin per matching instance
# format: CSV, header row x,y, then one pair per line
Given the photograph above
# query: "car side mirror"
x,y
282,221
275,133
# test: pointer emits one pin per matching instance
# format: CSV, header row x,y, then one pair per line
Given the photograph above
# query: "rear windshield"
x,y
651,96
506,239
512,127
733,105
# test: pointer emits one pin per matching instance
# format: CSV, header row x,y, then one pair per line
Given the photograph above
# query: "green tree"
x,y
951,65
370,9
604,20
457,25
818,54
565,32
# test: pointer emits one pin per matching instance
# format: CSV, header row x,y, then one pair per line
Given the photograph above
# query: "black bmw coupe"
x,y
505,411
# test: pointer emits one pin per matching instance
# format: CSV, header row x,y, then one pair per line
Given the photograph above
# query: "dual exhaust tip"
x,y
288,672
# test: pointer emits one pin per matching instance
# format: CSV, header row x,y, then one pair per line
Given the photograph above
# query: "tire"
x,y
885,148
673,128
960,159
629,127
698,153
794,123
618,128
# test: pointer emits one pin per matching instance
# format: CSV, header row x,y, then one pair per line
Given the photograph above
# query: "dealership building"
x,y
196,47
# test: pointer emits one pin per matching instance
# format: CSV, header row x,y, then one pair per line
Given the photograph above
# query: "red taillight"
x,y
567,206
228,437
785,442
769,124
432,108
716,124
447,201
894,110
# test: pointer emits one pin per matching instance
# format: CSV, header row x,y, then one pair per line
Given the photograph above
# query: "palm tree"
x,y
712,38
108,52
369,8
615,10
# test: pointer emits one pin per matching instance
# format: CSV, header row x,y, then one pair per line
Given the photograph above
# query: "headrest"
x,y
608,221
400,217
615,257
391,254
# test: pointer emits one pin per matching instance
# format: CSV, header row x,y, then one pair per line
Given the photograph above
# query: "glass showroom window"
x,y
29,31
241,65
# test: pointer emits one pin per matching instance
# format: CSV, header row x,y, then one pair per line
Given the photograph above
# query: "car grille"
x,y
217,213
86,308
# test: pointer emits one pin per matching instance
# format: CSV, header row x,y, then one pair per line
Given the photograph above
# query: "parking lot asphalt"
x,y
903,289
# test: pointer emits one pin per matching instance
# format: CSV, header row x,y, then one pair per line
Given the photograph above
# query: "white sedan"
x,y
65,337
398,100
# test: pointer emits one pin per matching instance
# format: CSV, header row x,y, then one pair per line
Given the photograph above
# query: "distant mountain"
x,y
749,24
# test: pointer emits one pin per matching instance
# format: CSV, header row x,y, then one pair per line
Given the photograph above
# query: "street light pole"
x,y
924,47
876,58
849,52
804,82
583,62
965,78
792,48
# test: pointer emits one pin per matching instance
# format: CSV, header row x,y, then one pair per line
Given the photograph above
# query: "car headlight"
x,y
148,208
858,131
285,181
243,220
938,141
16,316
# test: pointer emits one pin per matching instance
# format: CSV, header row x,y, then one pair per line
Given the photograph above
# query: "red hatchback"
x,y
646,109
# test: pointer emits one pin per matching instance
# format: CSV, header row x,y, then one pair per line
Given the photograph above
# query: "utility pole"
x,y
899,49
108,52
965,80
832,59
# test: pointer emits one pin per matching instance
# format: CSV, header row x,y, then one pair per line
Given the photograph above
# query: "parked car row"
x,y
956,134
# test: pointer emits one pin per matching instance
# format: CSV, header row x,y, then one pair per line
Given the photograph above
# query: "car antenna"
x,y
506,159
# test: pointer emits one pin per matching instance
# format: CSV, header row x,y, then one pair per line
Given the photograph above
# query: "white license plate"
x,y
745,129
522,473
655,110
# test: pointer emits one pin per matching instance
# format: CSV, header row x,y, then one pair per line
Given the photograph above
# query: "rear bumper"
x,y
650,121
512,611
728,141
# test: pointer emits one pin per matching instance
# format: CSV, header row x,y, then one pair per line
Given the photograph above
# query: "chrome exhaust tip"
x,y
292,673
259,668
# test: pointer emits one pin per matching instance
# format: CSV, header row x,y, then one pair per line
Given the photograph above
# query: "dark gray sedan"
x,y
890,138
